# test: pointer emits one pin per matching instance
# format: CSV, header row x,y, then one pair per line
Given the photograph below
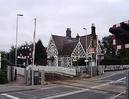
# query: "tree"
x,y
4,60
23,51
3,77
40,53
12,56
3,70
107,44
110,57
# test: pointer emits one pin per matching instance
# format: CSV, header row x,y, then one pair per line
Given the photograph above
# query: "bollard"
x,y
42,77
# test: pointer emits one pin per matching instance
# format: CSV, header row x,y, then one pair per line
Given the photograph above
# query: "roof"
x,y
59,40
83,40
68,48
66,45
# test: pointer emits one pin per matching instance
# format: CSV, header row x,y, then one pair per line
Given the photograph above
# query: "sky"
x,y
54,16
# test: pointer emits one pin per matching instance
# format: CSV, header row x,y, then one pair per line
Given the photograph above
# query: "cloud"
x,y
54,16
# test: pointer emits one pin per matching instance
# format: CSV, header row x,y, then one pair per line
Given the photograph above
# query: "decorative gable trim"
x,y
50,45
78,51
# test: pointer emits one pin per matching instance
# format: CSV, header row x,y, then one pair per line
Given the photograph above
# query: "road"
x,y
108,87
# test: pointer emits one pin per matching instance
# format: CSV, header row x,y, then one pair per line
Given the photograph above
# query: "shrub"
x,y
3,77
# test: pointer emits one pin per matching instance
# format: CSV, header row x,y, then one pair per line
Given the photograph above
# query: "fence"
x,y
20,71
73,71
114,67
64,70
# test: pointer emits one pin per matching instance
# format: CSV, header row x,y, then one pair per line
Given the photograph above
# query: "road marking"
x,y
118,95
83,90
50,87
66,94
21,94
73,92
119,80
109,76
10,96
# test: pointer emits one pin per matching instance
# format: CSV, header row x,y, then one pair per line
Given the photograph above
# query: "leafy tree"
x,y
3,77
3,70
113,57
4,60
107,44
40,53
12,56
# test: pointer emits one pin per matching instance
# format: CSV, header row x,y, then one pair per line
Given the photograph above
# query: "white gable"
x,y
51,49
78,52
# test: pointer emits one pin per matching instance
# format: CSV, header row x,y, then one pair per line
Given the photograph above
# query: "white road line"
x,y
10,96
73,92
50,87
118,95
79,88
119,80
66,94
100,85
108,76
83,90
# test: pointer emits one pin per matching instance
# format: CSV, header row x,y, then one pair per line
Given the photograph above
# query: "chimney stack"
x,y
68,32
93,32
77,37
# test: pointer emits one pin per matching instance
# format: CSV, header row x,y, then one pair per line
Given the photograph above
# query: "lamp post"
x,y
16,38
86,46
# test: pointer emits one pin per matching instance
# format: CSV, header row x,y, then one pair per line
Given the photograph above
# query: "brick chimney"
x,y
93,32
68,32
77,37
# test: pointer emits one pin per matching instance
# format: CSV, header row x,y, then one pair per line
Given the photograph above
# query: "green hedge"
x,y
3,77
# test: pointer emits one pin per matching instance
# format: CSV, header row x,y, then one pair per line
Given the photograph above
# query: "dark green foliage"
x,y
3,70
12,56
81,62
40,54
111,57
3,77
107,44
4,60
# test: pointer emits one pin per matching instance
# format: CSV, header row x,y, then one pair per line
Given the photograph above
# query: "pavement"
x,y
19,85
111,85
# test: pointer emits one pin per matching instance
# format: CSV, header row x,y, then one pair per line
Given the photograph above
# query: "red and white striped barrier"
x,y
122,46
118,25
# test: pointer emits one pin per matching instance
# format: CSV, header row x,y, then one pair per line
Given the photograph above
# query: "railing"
x,y
64,70
73,71
114,67
20,71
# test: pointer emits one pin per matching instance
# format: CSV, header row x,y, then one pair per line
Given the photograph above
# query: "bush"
x,y
3,77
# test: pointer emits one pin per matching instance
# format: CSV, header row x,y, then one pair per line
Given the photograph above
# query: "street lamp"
x,y
86,45
16,38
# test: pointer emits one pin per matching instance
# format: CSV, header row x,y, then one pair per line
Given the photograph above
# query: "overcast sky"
x,y
54,16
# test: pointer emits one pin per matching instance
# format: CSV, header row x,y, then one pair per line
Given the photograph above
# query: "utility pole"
x,y
0,60
97,54
33,51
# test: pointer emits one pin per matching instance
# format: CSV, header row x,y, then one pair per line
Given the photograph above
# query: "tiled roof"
x,y
66,45
83,40
68,48
59,41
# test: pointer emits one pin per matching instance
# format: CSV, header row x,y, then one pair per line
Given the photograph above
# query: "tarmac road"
x,y
108,87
